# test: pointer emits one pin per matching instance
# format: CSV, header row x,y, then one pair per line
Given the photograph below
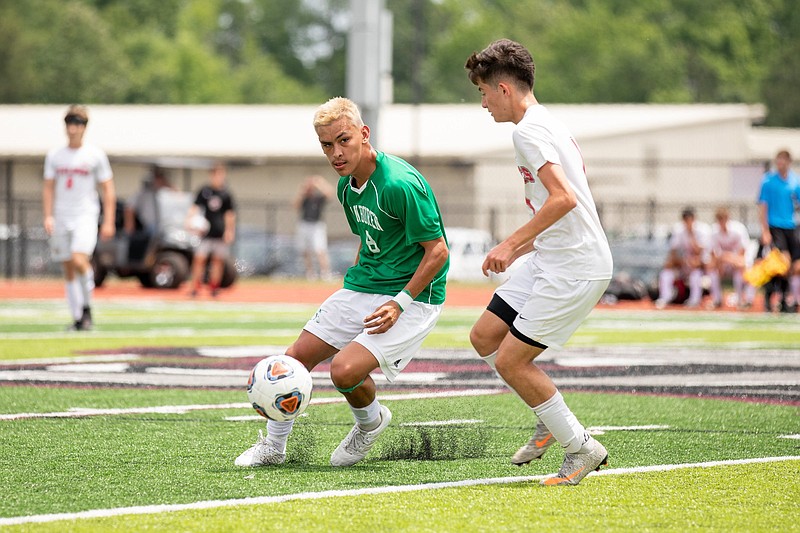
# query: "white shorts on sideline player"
x,y
73,236
340,320
549,308
312,236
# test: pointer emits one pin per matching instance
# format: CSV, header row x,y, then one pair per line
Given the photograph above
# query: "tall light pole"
x,y
369,59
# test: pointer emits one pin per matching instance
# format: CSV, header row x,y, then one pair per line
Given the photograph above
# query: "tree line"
x,y
293,51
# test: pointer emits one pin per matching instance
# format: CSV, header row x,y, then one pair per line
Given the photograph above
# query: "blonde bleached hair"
x,y
335,109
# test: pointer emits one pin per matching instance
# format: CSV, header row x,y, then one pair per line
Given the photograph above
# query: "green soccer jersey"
x,y
392,213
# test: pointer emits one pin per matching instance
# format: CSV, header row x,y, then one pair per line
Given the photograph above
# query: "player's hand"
x,y
49,224
383,318
107,231
498,259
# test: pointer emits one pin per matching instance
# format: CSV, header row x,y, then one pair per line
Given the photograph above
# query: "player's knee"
x,y
344,376
483,341
504,365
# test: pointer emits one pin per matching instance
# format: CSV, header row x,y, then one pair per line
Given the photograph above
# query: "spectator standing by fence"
x,y
780,193
215,203
312,232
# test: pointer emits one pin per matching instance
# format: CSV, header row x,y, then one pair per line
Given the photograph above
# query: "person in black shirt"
x,y
212,215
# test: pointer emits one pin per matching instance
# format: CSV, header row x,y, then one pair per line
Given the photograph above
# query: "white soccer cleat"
x,y
262,453
535,448
577,466
358,442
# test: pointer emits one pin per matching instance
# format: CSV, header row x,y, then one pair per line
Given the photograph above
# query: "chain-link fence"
x,y
266,231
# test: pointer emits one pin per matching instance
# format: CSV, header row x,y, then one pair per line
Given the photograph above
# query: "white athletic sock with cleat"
x,y
562,423
369,417
278,432
74,298
86,283
716,287
666,281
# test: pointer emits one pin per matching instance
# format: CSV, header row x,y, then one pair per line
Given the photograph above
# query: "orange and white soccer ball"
x,y
279,388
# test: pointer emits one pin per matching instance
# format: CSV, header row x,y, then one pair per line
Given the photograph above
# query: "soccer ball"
x,y
279,388
199,225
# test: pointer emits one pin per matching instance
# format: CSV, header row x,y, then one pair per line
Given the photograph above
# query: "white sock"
x,y
666,282
738,285
695,287
794,283
278,432
558,418
369,417
749,293
489,360
87,286
716,287
74,298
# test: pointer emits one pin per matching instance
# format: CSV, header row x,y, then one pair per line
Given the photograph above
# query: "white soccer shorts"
x,y
340,320
550,308
312,236
75,236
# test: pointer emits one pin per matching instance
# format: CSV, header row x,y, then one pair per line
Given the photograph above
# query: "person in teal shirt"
x,y
777,200
392,296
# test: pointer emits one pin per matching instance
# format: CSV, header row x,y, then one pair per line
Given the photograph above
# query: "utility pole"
x,y
369,59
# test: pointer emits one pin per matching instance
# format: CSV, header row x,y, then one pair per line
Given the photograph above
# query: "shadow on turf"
x,y
405,443
433,444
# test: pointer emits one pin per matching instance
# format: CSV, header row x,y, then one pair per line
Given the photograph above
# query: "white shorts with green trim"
x,y
340,321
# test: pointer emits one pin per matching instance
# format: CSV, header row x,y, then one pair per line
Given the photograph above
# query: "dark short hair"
x,y
503,58
77,114
687,212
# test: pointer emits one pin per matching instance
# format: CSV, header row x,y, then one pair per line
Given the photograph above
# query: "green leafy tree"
x,y
16,49
781,84
273,51
70,52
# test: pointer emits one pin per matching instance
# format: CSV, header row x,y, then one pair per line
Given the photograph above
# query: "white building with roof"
x,y
669,154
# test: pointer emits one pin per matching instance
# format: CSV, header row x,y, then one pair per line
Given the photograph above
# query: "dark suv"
x,y
160,257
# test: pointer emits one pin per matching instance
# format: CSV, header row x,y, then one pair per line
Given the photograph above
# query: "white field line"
x,y
79,412
264,500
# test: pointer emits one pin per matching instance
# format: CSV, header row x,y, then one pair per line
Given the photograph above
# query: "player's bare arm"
x,y
560,201
230,227
108,228
434,258
47,205
766,236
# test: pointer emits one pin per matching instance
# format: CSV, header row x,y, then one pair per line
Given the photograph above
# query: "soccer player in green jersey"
x,y
392,296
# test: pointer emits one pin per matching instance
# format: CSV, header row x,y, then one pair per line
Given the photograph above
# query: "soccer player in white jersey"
x,y
729,242
687,259
546,299
392,297
71,209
